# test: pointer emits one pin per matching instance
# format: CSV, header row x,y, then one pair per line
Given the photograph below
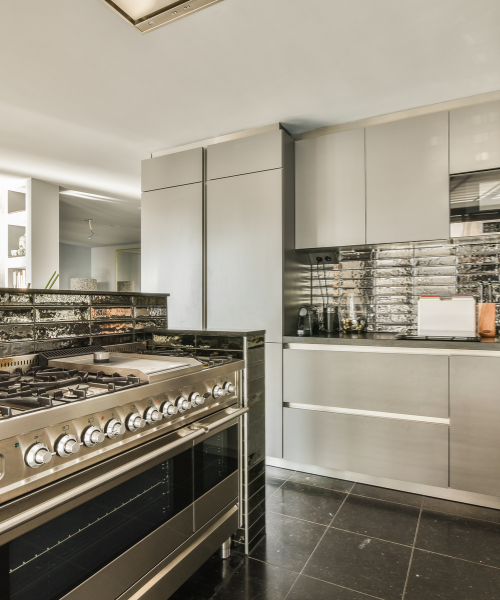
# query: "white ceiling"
x,y
84,96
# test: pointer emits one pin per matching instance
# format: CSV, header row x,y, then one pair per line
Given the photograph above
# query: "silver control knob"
x,y
114,428
67,445
152,415
38,455
168,409
196,399
182,404
229,387
93,436
135,422
218,392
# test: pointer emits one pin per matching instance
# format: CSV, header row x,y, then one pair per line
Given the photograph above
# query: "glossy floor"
x,y
329,539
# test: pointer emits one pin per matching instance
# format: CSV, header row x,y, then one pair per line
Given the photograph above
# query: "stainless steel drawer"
x,y
412,384
396,449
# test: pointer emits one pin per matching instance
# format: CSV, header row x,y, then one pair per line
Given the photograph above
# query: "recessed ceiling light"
x,y
90,196
141,12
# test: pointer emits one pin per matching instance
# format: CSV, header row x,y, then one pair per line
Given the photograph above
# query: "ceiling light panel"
x,y
146,15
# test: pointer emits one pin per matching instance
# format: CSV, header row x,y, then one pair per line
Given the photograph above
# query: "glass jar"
x,y
352,312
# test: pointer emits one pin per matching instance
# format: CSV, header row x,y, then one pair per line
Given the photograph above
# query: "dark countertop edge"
x,y
211,332
76,292
391,342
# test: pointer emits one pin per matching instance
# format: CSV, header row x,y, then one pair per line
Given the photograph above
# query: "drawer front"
x,y
411,384
171,170
395,449
475,424
245,155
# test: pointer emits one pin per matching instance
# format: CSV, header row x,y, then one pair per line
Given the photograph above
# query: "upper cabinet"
x,y
475,138
330,190
407,180
246,155
171,170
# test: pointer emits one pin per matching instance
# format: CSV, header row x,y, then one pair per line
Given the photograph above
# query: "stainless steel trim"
x,y
395,484
392,349
183,562
220,139
404,114
61,499
233,415
366,413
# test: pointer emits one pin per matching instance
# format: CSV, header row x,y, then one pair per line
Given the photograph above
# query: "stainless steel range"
x,y
119,473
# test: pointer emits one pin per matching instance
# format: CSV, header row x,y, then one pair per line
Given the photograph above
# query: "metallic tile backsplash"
x,y
391,278
32,321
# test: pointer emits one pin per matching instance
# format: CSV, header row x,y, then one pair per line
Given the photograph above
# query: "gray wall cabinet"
x,y
172,250
411,384
475,424
170,170
246,155
244,253
407,180
330,190
475,138
395,449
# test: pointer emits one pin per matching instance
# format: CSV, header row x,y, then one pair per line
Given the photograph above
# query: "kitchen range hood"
x,y
146,15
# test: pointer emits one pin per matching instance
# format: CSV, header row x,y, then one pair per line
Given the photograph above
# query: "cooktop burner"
x,y
38,389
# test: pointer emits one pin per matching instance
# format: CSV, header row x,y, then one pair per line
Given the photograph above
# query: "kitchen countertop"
x,y
389,340
214,332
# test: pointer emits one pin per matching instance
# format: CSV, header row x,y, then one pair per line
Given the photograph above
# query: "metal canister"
x,y
330,319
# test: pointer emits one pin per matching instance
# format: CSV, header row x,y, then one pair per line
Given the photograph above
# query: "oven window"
x,y
50,561
215,459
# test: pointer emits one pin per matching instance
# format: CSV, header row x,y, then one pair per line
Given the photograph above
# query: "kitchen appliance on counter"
x,y
116,479
331,319
447,316
307,323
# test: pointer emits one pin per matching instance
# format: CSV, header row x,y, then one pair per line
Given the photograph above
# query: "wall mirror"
x,y
128,270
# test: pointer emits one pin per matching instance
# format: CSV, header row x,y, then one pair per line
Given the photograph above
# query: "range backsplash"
x,y
391,278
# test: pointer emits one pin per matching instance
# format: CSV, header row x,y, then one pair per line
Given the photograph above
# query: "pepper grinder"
x,y
486,313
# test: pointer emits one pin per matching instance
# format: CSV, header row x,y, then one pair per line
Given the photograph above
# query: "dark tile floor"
x,y
329,539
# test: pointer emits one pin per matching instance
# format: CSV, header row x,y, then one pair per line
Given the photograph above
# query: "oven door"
x,y
97,533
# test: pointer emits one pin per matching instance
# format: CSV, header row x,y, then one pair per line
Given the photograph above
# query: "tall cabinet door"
x,y
407,180
330,190
172,251
475,424
244,253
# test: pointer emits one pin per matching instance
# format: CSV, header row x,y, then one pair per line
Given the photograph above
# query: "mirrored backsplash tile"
x,y
46,331
392,278
58,299
48,315
114,312
17,299
16,315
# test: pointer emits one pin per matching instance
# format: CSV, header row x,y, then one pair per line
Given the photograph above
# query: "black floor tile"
x,y
324,482
256,580
272,485
289,542
278,472
209,578
307,588
306,502
470,539
435,577
380,519
385,494
362,564
463,510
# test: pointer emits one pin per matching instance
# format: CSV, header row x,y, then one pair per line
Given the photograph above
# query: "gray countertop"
x,y
389,340
214,332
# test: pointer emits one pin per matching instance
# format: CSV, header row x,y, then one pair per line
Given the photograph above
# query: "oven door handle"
x,y
235,414
84,488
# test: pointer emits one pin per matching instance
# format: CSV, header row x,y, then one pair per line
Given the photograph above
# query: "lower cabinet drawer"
x,y
396,449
